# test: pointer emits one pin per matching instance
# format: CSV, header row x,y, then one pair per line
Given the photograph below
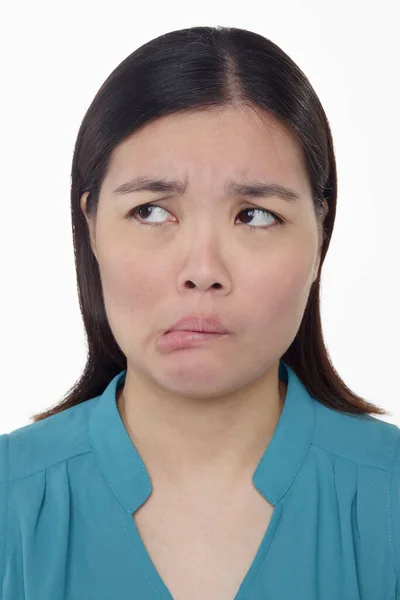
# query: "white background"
x,y
55,56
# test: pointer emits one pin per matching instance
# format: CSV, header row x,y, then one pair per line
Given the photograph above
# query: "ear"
x,y
320,234
90,222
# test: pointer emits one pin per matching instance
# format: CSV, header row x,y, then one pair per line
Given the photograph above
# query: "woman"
x,y
209,450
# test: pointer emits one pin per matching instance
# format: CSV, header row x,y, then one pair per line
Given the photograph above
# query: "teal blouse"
x,y
69,485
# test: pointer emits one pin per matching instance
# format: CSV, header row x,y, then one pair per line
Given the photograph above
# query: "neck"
x,y
218,441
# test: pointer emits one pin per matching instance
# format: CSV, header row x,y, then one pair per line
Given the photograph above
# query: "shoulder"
x,y
31,450
362,439
362,455
37,446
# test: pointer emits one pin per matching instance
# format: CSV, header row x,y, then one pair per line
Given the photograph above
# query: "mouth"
x,y
181,339
199,324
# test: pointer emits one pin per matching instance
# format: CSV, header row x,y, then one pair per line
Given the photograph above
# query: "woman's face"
x,y
263,274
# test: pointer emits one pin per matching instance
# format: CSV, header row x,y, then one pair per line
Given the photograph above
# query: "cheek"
x,y
131,277
276,295
131,285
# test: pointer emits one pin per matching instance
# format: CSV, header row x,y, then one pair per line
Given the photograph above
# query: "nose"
x,y
205,260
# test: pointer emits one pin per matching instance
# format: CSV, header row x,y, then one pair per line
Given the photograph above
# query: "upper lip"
x,y
199,322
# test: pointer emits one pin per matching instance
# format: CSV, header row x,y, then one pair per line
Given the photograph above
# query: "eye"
x,y
139,213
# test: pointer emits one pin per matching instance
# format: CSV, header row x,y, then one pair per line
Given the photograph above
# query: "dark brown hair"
x,y
197,69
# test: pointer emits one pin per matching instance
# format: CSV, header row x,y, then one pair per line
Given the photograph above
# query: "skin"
x,y
205,415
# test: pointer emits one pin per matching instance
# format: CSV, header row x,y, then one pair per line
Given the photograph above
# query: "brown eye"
x,y
140,214
263,211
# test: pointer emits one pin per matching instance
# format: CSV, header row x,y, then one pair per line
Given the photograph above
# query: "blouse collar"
x,y
282,459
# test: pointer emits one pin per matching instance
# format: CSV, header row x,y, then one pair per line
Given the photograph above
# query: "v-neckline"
x,y
157,583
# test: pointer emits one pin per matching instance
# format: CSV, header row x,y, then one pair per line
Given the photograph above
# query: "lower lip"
x,y
175,340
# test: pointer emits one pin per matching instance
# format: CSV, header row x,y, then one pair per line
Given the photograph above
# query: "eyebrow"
x,y
252,189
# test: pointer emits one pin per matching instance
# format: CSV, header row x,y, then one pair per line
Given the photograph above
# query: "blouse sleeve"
x,y
3,506
394,512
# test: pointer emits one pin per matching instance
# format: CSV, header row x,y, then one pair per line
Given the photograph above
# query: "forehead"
x,y
213,145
